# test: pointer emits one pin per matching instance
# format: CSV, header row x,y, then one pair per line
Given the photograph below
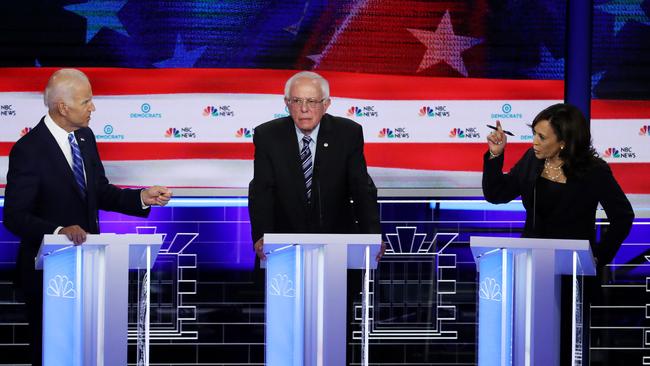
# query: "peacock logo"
x,y
172,132
386,133
645,130
243,133
25,131
457,132
612,152
426,111
355,112
210,111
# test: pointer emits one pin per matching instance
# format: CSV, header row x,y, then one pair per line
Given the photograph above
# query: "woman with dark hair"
x,y
561,181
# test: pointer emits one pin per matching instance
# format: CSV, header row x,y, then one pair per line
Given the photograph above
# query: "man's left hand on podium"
x,y
74,233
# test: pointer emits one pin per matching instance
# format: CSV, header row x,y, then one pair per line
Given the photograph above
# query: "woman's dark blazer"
x,y
574,216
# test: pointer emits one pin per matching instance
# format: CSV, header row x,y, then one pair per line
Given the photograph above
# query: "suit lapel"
x,y
56,155
322,148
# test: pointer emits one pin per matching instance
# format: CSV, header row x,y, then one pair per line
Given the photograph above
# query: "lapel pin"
x,y
326,144
82,139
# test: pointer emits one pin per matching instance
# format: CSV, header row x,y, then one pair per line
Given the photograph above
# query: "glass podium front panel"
x,y
577,320
62,308
495,315
284,307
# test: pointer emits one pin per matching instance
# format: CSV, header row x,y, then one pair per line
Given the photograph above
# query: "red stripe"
x,y
436,156
620,109
629,176
165,151
422,156
114,81
427,156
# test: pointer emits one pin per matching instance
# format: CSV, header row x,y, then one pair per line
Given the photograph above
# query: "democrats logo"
x,y
281,115
644,131
468,133
183,133
439,111
395,133
25,131
145,112
109,134
366,111
218,111
619,153
244,133
506,113
7,110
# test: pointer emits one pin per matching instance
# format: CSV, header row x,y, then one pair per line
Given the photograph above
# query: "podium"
x,y
85,297
306,295
519,298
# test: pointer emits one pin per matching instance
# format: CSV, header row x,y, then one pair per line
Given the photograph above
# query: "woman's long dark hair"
x,y
570,126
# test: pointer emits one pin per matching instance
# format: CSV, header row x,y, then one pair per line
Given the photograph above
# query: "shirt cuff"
x,y
144,207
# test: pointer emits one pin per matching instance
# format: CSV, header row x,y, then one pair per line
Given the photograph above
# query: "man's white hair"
x,y
324,85
59,87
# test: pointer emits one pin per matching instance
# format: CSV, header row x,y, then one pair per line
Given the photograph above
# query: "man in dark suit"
x,y
310,174
56,185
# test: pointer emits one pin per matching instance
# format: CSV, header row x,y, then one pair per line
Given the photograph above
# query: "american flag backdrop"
x,y
180,85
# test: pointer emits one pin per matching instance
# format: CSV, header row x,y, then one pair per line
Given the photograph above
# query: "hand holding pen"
x,y
497,140
504,131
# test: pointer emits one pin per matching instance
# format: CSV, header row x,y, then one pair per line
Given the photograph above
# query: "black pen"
x,y
504,131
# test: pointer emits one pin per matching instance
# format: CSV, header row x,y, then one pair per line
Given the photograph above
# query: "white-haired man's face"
x,y
306,104
79,106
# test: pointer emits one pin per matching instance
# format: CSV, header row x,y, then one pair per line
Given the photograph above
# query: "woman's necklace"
x,y
553,172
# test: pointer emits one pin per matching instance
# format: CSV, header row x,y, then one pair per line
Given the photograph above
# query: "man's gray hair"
x,y
59,87
324,85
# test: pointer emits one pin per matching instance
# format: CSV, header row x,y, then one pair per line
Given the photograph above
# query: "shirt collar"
x,y
313,135
59,133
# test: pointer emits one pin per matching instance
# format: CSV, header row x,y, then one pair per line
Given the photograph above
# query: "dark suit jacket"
x,y
574,216
277,200
41,192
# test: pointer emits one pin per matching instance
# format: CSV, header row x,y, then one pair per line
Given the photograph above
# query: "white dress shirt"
x,y
61,137
312,144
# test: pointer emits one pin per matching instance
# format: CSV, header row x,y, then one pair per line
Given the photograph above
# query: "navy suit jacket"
x,y
344,198
41,192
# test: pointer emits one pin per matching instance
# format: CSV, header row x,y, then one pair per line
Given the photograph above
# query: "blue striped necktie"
x,y
77,165
305,161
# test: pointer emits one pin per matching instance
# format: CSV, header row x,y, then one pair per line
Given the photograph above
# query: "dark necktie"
x,y
305,161
77,165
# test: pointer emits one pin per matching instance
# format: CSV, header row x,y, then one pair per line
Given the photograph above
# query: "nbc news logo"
x,y
365,111
393,133
468,133
218,111
435,111
619,153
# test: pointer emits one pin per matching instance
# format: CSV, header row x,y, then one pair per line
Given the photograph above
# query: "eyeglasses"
x,y
311,103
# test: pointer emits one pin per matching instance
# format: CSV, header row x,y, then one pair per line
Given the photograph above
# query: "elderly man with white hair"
x,y
310,174
56,185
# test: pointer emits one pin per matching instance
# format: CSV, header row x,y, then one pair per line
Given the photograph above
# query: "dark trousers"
x,y
31,286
